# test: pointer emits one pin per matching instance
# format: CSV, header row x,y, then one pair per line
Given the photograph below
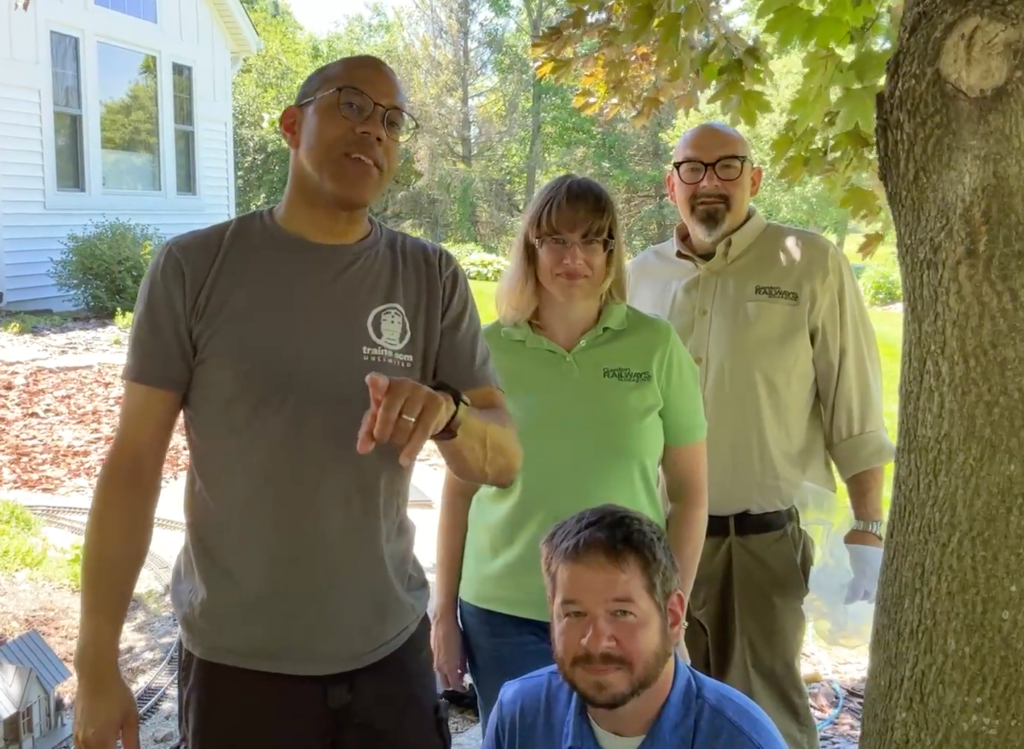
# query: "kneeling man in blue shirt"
x,y
617,683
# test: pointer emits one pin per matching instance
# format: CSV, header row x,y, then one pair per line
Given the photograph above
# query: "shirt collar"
x,y
613,317
729,248
672,727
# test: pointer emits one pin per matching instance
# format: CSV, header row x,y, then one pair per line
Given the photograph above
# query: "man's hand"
x,y
105,711
865,550
404,413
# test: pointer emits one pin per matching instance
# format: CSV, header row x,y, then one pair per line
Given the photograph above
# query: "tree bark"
x,y
947,653
534,16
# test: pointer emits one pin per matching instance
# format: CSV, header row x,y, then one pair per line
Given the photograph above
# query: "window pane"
x,y
182,75
185,158
129,119
67,129
64,62
141,9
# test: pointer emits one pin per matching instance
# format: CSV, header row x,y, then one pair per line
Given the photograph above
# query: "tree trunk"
x,y
534,16
947,654
465,82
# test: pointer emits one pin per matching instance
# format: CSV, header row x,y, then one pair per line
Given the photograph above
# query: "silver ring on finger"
x,y
407,417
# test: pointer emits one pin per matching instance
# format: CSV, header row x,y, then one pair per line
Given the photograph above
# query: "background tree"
x,y
947,653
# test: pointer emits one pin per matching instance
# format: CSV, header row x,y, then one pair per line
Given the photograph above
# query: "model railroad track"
x,y
151,694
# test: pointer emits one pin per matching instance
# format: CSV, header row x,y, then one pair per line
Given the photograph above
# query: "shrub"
x,y
463,251
25,549
22,546
102,267
123,320
881,285
483,266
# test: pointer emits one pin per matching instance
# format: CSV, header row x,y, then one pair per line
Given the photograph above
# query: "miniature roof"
x,y
18,659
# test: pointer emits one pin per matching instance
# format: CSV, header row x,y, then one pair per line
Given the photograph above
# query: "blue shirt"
x,y
541,711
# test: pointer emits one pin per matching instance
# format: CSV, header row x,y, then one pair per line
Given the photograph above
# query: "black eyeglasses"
x,y
727,169
357,107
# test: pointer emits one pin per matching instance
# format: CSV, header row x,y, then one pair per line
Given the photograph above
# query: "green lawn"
x,y
888,329
483,292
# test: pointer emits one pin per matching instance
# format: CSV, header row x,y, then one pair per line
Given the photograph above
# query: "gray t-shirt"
x,y
298,556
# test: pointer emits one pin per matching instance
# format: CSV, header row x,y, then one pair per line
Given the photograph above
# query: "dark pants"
x,y
390,704
499,648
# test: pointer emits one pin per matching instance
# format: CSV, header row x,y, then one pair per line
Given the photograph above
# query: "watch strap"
x,y
451,429
874,527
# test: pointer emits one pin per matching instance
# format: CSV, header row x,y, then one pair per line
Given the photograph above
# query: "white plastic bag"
x,y
826,519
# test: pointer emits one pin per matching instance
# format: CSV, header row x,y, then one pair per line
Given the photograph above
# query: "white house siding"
x,y
34,218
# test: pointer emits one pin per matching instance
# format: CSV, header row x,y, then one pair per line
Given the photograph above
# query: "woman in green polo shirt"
x,y
603,396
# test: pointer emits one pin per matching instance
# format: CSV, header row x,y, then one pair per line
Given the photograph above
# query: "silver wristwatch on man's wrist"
x,y
874,527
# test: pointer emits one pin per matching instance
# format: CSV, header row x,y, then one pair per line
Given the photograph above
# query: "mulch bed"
x,y
57,425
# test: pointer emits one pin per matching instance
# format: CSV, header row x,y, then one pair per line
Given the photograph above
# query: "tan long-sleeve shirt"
x,y
788,360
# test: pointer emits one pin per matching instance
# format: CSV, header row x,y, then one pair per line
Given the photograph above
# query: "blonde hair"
x,y
568,200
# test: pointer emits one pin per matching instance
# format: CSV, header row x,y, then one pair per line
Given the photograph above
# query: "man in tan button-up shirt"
x,y
791,378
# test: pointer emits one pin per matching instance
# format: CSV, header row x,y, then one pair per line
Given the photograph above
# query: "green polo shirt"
x,y
594,423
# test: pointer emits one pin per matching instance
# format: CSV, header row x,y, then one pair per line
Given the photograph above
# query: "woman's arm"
x,y
685,470
452,526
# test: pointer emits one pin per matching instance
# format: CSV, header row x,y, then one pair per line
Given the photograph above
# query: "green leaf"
x,y
766,8
793,168
829,31
862,203
639,24
789,25
857,108
781,146
752,103
869,65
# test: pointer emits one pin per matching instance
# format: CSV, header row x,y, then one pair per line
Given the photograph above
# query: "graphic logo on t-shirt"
x,y
389,328
625,374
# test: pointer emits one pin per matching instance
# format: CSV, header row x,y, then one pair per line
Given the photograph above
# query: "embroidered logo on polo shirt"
x,y
776,293
625,374
389,328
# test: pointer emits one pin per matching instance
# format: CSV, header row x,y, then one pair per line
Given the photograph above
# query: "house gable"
x,y
15,683
241,33
31,651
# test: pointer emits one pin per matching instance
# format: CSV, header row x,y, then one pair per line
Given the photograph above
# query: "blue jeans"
x,y
499,648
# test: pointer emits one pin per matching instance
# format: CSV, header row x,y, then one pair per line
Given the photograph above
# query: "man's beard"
x,y
601,694
709,220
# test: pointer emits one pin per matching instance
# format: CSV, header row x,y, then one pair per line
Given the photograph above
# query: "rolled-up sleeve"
x,y
849,375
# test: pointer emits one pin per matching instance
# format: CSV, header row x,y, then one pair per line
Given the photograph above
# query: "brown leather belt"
x,y
751,524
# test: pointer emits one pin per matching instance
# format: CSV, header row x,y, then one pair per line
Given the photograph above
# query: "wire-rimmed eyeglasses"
x,y
356,106
588,245
727,169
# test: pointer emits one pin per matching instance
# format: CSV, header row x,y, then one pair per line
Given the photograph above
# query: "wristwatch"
x,y
450,430
874,527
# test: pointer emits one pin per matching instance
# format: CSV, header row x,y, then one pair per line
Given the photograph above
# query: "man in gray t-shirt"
x,y
313,351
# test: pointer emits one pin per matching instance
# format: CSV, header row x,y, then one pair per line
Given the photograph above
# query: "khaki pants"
x,y
746,622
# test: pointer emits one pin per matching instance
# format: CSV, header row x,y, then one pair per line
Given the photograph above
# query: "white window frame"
x,y
83,149
94,197
161,126
175,127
